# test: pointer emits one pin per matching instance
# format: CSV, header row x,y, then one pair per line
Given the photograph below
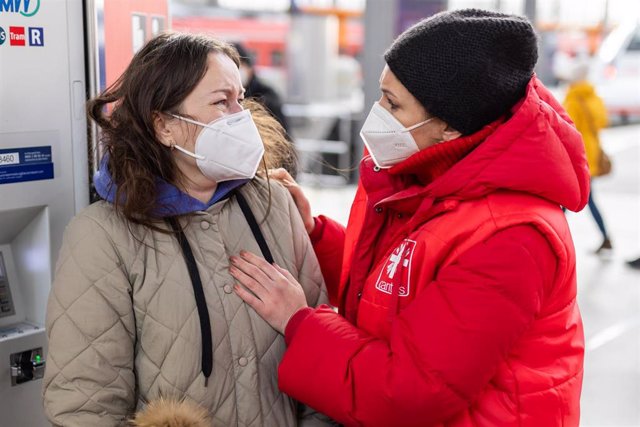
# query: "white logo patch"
x,y
397,270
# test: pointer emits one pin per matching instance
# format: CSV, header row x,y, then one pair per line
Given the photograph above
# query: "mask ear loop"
x,y
173,145
193,122
404,130
417,125
187,152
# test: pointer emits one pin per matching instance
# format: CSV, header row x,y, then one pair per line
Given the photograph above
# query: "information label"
x,y
25,164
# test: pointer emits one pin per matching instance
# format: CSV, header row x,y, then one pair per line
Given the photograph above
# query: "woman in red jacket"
x,y
458,291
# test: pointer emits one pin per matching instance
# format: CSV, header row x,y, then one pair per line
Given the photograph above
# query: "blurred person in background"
x,y
589,115
457,299
142,305
257,89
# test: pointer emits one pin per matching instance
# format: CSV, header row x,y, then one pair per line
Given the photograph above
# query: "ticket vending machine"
x,y
43,182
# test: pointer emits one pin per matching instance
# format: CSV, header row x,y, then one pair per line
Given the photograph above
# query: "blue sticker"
x,y
36,36
25,164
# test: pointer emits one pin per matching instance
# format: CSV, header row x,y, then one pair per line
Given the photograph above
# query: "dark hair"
x,y
158,79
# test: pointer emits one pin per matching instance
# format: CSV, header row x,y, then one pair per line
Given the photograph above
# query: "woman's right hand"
x,y
301,201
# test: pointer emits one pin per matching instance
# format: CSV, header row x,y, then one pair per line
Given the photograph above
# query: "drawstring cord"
x,y
201,302
196,282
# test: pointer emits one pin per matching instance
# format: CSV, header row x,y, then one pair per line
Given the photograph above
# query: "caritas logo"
x,y
16,36
397,270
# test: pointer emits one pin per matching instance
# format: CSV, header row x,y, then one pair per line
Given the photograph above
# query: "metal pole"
x,y
379,32
93,76
530,10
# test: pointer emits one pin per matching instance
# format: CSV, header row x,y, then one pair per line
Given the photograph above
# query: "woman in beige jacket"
x,y
142,304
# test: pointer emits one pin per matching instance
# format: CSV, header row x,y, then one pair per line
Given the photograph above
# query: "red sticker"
x,y
16,36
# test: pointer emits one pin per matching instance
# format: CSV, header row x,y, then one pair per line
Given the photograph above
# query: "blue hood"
x,y
170,200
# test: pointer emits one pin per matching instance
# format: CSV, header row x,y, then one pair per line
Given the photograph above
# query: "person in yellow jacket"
x,y
589,114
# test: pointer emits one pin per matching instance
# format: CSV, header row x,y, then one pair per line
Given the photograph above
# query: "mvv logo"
x,y
23,7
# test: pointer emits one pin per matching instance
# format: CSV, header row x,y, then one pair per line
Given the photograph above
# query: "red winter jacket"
x,y
459,286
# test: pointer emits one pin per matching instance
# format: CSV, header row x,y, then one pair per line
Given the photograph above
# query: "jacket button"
x,y
376,169
359,295
378,209
204,225
400,216
243,361
227,289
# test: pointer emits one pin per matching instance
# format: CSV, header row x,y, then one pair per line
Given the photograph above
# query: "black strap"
x,y
196,282
255,228
201,302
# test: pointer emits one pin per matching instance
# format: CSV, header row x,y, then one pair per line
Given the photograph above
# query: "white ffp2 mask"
x,y
228,148
387,140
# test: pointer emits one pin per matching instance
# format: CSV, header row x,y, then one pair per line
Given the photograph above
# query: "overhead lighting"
x,y
357,5
256,5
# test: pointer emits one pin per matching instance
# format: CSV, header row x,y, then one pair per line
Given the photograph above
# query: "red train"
x,y
266,39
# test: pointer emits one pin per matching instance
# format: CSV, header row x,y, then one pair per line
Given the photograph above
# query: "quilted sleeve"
x,y
89,379
443,348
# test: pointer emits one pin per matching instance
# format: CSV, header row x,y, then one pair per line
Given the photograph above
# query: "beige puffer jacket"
x,y
124,329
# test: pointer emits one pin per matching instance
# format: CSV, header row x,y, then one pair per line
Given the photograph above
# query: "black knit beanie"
x,y
467,67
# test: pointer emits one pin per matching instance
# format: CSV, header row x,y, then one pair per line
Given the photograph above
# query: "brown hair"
x,y
158,79
279,152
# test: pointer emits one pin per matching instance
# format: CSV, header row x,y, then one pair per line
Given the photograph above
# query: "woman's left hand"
x,y
275,294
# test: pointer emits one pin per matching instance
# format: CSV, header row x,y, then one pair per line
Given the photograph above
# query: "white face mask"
x,y
227,148
387,140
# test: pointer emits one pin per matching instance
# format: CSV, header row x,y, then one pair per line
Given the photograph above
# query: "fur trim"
x,y
171,413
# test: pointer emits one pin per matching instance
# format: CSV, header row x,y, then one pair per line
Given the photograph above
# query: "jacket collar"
x,y
433,161
170,201
405,184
